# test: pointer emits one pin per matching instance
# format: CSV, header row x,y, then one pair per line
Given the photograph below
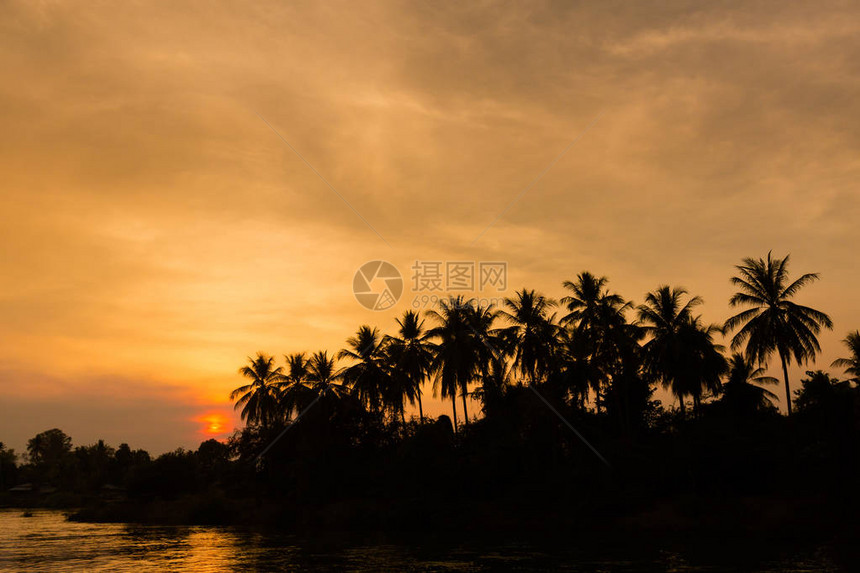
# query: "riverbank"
x,y
810,518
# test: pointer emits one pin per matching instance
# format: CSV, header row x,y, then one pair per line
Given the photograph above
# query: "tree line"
x,y
591,350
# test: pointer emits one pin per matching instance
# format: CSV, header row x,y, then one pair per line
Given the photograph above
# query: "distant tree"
x,y
168,476
260,400
8,467
852,363
50,454
127,457
774,323
49,447
123,455
213,458
95,463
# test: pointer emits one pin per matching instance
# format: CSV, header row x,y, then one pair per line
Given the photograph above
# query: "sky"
x,y
183,184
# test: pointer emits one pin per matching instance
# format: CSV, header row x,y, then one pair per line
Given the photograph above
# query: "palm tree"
x,y
493,383
412,358
598,330
588,300
297,367
296,394
774,322
534,333
260,399
487,343
368,377
323,377
669,354
620,359
852,364
576,373
742,391
465,349
701,363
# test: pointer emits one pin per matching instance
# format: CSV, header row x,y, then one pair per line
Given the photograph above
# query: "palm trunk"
x,y
454,408
683,408
787,389
465,411
420,407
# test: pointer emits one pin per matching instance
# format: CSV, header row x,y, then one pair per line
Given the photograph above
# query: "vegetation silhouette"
x,y
774,322
411,356
851,364
743,393
339,450
260,400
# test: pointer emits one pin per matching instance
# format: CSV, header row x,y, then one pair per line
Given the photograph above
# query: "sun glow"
x,y
213,424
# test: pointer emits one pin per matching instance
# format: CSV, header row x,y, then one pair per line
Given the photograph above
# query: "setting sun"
x,y
213,424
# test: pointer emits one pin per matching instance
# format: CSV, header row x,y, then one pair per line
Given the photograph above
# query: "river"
x,y
45,541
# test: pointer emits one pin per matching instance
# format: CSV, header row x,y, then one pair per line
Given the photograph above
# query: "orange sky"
x,y
155,231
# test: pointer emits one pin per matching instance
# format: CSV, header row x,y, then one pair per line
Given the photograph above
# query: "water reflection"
x,y
46,542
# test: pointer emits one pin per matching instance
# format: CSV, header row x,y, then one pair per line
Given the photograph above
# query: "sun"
x,y
213,424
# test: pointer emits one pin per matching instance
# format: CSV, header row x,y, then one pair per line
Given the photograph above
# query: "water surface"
x,y
47,542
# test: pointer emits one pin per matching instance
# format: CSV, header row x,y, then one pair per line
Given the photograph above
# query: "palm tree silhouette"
x,y
465,348
260,400
589,300
851,364
296,394
774,322
493,383
323,377
533,334
368,377
598,330
411,357
741,391
701,363
486,342
677,342
452,361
